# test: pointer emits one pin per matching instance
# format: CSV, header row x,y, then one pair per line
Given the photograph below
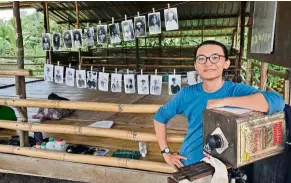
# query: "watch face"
x,y
167,150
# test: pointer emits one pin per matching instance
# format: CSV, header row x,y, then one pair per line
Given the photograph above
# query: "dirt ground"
x,y
15,178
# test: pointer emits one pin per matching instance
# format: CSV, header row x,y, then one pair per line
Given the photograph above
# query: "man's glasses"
x,y
202,59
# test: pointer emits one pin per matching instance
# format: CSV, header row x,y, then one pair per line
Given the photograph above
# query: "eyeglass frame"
x,y
208,58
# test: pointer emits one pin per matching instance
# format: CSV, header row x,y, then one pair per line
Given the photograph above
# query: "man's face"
x,y
208,70
138,25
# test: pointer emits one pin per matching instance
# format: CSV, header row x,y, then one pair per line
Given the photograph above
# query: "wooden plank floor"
x,y
136,122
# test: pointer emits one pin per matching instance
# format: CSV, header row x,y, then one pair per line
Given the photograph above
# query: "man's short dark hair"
x,y
212,42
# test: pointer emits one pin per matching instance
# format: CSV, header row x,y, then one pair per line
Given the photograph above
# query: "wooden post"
x,y
20,80
264,74
77,27
249,72
242,36
287,86
137,52
45,24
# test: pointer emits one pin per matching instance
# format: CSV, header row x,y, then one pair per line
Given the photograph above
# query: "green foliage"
x,y
5,47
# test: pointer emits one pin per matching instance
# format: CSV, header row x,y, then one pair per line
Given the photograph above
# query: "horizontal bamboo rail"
x,y
257,65
87,131
24,64
16,72
88,159
81,105
276,73
256,81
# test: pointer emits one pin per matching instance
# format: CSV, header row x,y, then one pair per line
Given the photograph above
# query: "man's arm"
x,y
245,96
161,118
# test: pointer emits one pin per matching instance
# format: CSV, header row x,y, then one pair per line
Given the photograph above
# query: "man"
x,y
171,22
211,58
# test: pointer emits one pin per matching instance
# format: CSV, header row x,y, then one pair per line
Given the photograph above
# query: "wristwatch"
x,y
166,150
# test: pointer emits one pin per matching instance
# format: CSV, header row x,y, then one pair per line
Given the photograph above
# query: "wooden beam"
x,y
276,73
80,105
79,172
242,34
77,27
17,72
20,80
264,75
89,159
88,131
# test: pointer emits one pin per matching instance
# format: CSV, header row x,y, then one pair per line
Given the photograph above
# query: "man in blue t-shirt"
x,y
211,58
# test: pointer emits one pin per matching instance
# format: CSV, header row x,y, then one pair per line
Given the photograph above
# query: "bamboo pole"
x,y
287,86
20,80
264,74
87,131
16,72
77,27
88,159
81,105
249,72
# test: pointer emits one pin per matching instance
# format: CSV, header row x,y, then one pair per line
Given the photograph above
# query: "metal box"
x,y
243,138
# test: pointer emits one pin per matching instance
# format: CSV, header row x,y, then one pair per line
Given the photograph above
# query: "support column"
x,y
249,72
77,27
242,36
264,74
287,86
20,80
46,25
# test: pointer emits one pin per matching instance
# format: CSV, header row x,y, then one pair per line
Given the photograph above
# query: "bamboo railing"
x,y
81,105
16,72
87,131
88,159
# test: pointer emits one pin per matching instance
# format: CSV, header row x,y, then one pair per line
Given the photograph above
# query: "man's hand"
x,y
174,159
216,103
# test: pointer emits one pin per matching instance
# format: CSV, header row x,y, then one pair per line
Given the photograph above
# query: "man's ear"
x,y
226,64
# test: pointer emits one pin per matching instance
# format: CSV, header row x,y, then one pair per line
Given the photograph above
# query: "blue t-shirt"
x,y
191,101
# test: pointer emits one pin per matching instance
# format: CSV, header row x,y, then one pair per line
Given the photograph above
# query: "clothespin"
x,y
127,71
91,68
100,22
58,63
141,72
138,13
69,65
79,67
153,10
125,17
168,6
115,70
103,69
112,20
174,71
156,72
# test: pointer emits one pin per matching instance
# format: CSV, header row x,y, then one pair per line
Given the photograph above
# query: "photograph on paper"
x,y
129,83
140,26
171,19
68,39
89,33
174,84
103,81
59,74
81,78
127,30
49,72
46,42
92,80
77,34
143,84
70,76
57,41
156,85
114,33
102,34
154,23
116,82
